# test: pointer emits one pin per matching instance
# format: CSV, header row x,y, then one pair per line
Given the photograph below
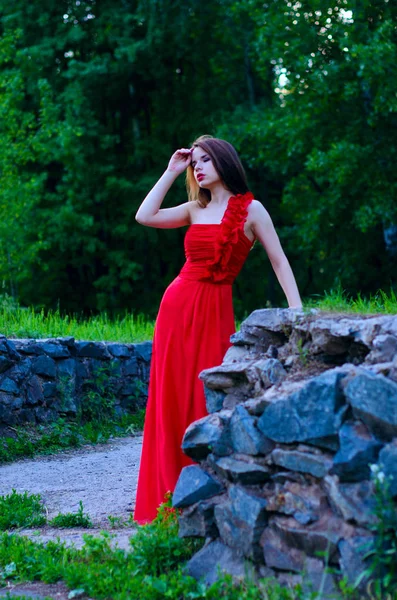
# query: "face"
x,y
203,168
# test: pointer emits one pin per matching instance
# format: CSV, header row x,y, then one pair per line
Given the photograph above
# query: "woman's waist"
x,y
199,271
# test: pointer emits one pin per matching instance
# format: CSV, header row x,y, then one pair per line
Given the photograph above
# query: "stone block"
x,y
213,399
54,350
303,462
8,385
34,391
241,522
66,367
92,350
352,559
45,366
130,367
118,350
270,371
315,410
357,449
374,401
143,351
206,435
322,536
304,502
388,463
5,363
352,501
216,558
245,437
194,485
198,521
279,555
384,349
240,471
50,389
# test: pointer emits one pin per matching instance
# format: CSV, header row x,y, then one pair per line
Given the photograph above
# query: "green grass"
x,y
47,439
78,519
19,322
339,300
21,510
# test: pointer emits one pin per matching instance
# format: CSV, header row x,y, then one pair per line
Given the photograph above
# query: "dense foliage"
x,y
95,96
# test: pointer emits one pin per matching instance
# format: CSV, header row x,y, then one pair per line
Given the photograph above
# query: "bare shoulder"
x,y
193,208
257,212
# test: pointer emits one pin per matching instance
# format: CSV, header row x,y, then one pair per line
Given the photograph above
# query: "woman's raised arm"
x,y
150,213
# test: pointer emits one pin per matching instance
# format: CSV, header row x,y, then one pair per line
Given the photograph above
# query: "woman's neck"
x,y
219,194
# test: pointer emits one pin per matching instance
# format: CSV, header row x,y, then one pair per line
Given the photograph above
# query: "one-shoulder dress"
x,y
192,333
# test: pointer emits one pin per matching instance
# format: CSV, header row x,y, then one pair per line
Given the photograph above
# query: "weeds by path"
x,y
30,441
21,510
78,519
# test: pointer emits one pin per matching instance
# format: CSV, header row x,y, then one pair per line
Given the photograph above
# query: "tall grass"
x,y
340,301
19,322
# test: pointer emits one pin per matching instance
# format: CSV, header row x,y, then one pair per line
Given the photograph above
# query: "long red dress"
x,y
192,333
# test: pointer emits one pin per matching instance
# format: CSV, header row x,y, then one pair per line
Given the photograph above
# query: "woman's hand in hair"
x,y
180,160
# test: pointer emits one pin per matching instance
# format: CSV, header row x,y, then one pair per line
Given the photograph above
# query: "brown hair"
x,y
226,163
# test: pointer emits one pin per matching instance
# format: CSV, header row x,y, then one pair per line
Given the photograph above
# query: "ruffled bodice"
x,y
215,253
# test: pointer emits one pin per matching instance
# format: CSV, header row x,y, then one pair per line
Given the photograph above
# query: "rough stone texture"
x,y
352,501
357,450
43,379
217,558
245,437
315,411
204,436
352,561
304,462
388,463
302,404
374,401
194,485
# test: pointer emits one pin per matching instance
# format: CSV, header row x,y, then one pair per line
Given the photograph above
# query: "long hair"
x,y
226,163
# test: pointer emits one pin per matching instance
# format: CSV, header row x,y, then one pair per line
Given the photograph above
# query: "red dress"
x,y
192,333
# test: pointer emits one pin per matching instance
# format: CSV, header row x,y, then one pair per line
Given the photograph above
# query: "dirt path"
x,y
103,477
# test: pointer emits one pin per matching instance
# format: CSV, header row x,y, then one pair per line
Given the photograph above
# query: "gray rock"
x,y
66,367
213,399
198,521
8,385
143,351
5,363
357,449
241,522
303,462
55,350
240,471
277,320
270,371
352,501
44,415
313,411
130,367
279,555
23,416
92,350
374,401
216,558
245,437
206,435
322,536
49,389
388,463
30,348
118,350
304,502
352,559
384,349
194,485
34,391
44,365
242,338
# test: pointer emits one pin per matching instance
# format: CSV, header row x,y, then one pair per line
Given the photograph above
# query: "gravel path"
x,y
103,477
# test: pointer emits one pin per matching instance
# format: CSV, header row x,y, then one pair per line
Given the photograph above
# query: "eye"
x,y
206,159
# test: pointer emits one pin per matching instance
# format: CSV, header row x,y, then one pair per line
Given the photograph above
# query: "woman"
x,y
196,320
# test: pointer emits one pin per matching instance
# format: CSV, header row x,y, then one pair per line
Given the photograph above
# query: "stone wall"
x,y
43,379
300,407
